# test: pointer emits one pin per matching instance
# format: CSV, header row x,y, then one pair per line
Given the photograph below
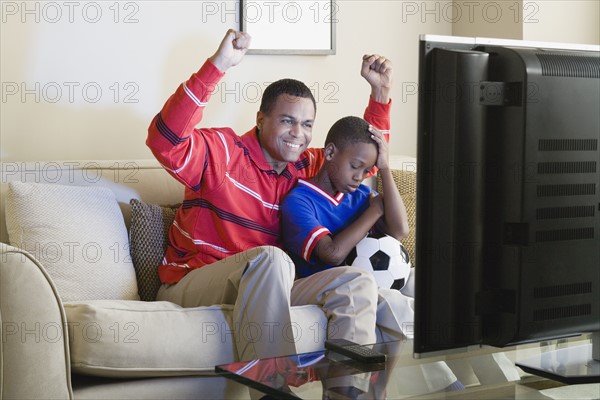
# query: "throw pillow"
x,y
78,234
149,237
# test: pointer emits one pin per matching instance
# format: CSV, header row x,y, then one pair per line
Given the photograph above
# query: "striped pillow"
x,y
149,237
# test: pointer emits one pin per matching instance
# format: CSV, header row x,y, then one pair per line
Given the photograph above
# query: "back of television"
x,y
508,198
542,209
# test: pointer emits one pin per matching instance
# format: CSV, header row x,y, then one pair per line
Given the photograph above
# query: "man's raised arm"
x,y
172,137
378,72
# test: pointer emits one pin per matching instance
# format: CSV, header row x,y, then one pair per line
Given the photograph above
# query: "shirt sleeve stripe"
x,y
185,162
192,96
167,133
312,240
222,137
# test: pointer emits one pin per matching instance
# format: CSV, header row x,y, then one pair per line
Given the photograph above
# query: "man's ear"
x,y
330,150
259,119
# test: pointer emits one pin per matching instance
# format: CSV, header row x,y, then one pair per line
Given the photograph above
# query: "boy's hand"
x,y
378,71
232,49
383,157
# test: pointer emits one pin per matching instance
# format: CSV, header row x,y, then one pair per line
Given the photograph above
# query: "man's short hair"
x,y
289,87
349,130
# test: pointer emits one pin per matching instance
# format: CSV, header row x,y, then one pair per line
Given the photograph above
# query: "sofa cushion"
x,y
147,339
78,234
149,237
134,339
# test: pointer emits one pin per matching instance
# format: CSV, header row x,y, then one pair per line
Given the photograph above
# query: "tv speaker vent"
x,y
568,145
547,314
565,212
567,167
564,234
562,290
567,189
568,65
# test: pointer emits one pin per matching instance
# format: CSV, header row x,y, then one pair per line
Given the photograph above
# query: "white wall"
x,y
574,21
488,18
56,55
567,21
83,79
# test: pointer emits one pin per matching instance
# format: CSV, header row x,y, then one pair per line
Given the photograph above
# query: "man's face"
x,y
348,167
287,131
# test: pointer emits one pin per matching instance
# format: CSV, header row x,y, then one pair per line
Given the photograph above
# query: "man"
x,y
225,238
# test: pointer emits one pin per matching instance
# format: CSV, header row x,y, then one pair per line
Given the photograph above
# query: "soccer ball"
x,y
385,257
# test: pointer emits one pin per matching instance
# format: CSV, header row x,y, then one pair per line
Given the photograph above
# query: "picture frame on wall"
x,y
303,27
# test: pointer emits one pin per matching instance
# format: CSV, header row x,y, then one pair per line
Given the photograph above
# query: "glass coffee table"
x,y
478,373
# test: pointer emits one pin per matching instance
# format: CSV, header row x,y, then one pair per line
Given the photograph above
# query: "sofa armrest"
x,y
34,351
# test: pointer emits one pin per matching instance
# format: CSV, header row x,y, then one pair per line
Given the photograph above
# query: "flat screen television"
x,y
508,197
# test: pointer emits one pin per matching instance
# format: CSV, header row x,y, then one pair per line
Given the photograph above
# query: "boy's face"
x,y
287,131
348,167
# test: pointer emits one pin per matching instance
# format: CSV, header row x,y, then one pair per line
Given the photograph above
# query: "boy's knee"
x,y
364,280
361,274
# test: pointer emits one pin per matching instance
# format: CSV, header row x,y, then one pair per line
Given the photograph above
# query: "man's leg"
x,y
258,283
205,286
262,309
348,296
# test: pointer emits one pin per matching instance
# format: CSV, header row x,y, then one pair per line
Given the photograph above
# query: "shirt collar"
x,y
335,200
250,141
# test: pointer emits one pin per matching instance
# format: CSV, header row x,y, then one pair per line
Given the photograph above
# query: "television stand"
x,y
570,365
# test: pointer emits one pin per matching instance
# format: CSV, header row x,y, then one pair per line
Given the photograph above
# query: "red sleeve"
x,y
378,115
172,136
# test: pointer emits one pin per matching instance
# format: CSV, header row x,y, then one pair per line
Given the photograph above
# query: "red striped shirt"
x,y
232,194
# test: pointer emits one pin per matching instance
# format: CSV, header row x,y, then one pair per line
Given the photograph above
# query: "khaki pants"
x,y
260,284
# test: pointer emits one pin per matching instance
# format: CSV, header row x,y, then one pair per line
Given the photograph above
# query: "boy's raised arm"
x,y
395,219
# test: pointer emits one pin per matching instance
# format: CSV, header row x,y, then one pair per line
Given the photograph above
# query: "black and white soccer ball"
x,y
385,257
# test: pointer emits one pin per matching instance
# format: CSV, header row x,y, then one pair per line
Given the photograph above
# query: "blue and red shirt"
x,y
308,213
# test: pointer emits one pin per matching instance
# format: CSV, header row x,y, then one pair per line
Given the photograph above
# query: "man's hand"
x,y
232,49
378,71
383,158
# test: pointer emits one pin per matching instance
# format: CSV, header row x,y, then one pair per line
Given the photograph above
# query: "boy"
x,y
324,217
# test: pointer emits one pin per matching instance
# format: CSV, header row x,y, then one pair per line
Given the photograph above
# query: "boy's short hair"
x,y
349,130
290,87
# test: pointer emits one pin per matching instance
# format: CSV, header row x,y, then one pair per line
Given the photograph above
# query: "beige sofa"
x,y
62,346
